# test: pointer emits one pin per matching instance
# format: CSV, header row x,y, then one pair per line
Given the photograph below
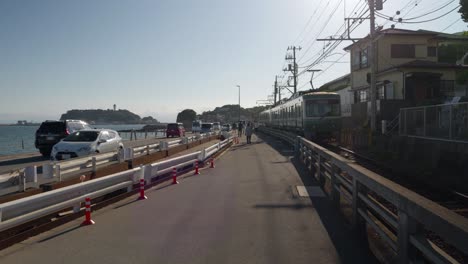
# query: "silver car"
x,y
87,142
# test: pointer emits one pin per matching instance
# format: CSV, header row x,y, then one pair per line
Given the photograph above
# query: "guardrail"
x,y
29,177
404,226
27,209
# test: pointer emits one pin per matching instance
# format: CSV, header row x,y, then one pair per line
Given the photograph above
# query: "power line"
x,y
454,22
323,28
307,24
431,12
429,20
356,7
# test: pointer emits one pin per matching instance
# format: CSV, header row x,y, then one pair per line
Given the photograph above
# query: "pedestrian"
x,y
239,129
248,133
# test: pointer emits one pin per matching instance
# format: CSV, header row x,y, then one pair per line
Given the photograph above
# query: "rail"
x,y
28,209
30,177
401,217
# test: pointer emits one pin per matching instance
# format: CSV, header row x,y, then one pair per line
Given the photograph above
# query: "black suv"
x,y
51,132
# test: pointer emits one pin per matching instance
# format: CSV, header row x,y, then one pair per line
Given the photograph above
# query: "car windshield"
x,y
196,124
82,136
172,126
206,126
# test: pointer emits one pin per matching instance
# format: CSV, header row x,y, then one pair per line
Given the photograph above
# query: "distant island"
x,y
109,116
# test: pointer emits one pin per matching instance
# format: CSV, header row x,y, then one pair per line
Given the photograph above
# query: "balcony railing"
x,y
444,122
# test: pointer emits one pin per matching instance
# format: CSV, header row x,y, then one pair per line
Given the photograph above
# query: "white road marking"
x,y
310,191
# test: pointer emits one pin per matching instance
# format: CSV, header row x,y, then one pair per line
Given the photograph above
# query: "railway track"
x,y
450,199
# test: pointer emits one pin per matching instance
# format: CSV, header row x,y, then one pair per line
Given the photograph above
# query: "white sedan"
x,y
87,142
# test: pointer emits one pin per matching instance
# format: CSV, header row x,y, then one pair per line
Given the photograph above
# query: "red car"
x,y
175,129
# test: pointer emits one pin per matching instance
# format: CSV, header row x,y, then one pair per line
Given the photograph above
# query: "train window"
x,y
321,108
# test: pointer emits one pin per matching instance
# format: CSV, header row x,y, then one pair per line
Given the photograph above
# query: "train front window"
x,y
322,108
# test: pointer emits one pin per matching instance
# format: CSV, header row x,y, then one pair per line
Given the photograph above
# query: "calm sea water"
x,y
11,137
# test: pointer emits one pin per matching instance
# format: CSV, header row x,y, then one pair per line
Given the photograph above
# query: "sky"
x,y
158,57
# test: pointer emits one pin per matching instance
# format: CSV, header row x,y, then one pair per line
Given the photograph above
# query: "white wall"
x,y
347,99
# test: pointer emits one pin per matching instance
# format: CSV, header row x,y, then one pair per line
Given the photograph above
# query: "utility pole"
x,y
293,68
373,5
276,88
239,104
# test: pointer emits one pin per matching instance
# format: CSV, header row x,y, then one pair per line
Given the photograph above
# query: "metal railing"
x,y
27,209
399,216
29,177
442,122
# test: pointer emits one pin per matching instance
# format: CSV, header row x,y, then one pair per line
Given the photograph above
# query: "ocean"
x,y
20,139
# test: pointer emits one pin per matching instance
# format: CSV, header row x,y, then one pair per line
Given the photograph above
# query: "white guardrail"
x,y
29,177
370,196
23,210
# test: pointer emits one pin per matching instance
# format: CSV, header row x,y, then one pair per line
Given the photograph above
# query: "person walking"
x,y
248,133
239,129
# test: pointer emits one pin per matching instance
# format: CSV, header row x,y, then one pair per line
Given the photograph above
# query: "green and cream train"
x,y
315,115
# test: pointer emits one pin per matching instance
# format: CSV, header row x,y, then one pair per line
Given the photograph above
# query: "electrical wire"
x,y
307,24
454,22
431,12
429,20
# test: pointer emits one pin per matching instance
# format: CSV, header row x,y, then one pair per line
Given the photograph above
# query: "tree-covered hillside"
x,y
106,116
230,114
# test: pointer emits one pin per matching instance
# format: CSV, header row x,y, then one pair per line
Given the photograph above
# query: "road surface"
x,y
246,210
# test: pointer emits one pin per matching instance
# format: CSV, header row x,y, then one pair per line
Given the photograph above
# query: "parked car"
x,y
226,127
207,128
175,129
196,126
86,142
51,132
216,126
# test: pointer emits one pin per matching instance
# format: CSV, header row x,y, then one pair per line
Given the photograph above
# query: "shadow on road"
x,y
59,234
349,246
295,206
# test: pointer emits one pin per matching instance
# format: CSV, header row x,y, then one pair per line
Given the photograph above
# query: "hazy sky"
x,y
158,57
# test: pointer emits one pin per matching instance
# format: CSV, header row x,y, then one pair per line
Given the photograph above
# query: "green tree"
x,y
186,117
464,10
149,120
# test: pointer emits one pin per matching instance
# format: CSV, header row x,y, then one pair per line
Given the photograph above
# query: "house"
x,y
411,71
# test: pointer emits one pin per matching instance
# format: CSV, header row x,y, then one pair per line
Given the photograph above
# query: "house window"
x,y
381,92
356,61
403,51
360,59
361,96
432,51
364,60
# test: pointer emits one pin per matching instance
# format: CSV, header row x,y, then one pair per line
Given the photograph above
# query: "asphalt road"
x,y
14,162
246,210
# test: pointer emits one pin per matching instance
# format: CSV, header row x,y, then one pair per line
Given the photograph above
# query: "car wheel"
x,y
45,152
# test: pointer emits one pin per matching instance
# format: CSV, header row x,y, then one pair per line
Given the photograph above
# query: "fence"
x,y
445,122
27,209
29,177
400,217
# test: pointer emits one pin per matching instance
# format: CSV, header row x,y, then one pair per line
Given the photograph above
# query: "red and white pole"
x,y
212,163
142,190
88,220
196,168
174,176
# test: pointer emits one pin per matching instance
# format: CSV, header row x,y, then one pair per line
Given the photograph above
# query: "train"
x,y
314,115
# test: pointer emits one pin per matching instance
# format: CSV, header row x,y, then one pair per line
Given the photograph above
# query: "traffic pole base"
x,y
90,222
175,182
142,198
196,173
